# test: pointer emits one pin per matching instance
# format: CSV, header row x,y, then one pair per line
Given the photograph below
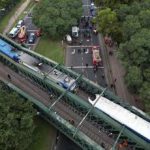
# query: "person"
x,y
9,77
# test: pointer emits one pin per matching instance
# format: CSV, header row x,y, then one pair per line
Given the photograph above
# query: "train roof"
x,y
124,116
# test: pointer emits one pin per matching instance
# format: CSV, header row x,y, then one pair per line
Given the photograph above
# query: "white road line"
x,y
87,51
73,52
80,67
95,76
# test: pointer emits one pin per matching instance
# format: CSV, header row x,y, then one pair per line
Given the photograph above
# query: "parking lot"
x,y
29,37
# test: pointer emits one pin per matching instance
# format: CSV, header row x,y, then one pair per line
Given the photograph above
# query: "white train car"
x,y
123,116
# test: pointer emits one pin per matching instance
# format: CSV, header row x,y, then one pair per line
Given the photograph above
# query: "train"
x,y
133,122
32,63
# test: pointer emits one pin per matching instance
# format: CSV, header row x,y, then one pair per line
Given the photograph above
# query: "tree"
x,y
57,16
134,78
16,121
130,26
136,51
144,18
107,22
145,95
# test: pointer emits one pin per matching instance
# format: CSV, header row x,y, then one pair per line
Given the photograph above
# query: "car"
x,y
31,37
75,32
68,39
20,23
14,32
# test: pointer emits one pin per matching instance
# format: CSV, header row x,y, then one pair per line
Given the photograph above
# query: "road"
x,y
79,55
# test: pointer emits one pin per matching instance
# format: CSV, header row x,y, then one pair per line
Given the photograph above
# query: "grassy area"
x,y
6,18
51,49
44,135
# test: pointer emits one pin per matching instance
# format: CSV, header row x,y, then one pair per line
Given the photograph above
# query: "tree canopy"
x,y
131,20
16,121
55,18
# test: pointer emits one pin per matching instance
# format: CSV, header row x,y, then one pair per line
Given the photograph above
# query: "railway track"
x,y
63,109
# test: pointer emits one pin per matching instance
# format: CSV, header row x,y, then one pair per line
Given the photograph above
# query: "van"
x,y
75,31
14,32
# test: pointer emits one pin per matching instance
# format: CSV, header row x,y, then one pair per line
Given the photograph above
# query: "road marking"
x,y
82,60
80,67
87,51
73,52
95,76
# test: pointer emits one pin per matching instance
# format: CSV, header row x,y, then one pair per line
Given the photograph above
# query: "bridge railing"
x,y
110,124
85,84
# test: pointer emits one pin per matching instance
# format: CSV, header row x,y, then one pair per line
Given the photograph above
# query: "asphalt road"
x,y
79,54
79,58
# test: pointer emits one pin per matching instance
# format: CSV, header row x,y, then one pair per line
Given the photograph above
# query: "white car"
x,y
20,24
14,32
68,39
75,31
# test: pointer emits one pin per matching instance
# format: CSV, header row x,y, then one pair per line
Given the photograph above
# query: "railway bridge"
x,y
70,112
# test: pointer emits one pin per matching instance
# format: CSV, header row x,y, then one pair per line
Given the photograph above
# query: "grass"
x,y
51,49
44,136
6,18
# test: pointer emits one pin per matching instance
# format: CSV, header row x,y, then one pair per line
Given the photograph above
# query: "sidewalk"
x,y
15,16
117,73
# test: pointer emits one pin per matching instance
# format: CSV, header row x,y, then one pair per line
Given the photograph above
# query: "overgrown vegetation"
x,y
128,23
55,17
16,121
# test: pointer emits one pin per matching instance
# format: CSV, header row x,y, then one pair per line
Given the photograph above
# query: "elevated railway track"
x,y
70,111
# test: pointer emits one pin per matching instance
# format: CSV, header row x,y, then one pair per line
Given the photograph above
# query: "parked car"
x,y
20,23
68,39
31,37
14,32
75,32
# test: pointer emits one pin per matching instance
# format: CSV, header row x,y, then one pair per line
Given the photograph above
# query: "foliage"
x,y
132,23
8,3
16,121
134,78
57,16
107,20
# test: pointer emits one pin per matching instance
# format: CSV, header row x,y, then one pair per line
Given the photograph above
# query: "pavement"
x,y
118,73
15,16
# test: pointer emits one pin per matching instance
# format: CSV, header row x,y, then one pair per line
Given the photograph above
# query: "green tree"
x,y
145,95
130,26
16,121
144,18
107,21
134,78
57,16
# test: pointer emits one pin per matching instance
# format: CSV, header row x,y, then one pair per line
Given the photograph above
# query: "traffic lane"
x,y
78,56
29,24
97,77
